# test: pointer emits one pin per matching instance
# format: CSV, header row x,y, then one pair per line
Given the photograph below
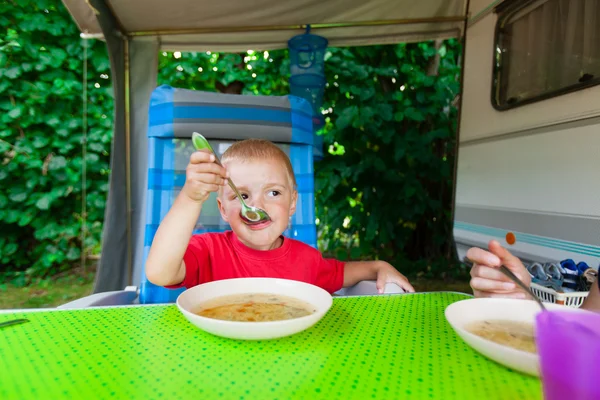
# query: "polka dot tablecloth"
x,y
376,347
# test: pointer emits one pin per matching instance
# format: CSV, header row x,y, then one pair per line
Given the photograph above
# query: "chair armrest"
x,y
115,298
369,288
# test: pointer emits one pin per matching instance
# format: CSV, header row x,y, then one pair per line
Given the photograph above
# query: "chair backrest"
x,y
223,119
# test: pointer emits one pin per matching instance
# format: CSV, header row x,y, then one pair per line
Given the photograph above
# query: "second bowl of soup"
x,y
500,329
254,308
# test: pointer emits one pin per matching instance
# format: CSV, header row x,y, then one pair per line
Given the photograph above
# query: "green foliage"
x,y
41,133
383,189
260,73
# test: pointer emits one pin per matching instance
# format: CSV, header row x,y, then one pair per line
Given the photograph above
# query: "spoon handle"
x,y
13,322
516,280
238,194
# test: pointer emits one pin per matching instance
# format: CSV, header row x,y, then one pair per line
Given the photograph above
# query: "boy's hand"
x,y
388,274
203,176
488,281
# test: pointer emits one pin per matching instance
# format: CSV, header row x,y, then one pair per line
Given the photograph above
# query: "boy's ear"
x,y
293,204
222,209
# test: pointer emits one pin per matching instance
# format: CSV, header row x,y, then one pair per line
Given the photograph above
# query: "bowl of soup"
x,y
500,329
254,308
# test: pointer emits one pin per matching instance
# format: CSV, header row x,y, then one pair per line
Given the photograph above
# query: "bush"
x,y
41,133
385,186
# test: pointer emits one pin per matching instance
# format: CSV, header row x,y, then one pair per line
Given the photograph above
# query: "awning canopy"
x,y
239,25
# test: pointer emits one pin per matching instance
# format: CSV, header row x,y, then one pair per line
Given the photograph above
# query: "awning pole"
x,y
128,158
459,117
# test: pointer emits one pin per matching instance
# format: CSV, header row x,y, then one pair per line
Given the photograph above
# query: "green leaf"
x,y
45,59
413,114
62,131
12,72
379,165
97,147
386,112
442,51
341,254
58,162
73,253
9,249
400,51
58,55
92,158
399,152
4,84
428,81
32,182
99,203
19,280
54,121
40,141
15,112
366,115
25,219
367,93
355,253
346,117
44,202
17,197
11,216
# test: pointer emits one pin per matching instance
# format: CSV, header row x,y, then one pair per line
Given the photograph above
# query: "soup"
x,y
255,307
518,335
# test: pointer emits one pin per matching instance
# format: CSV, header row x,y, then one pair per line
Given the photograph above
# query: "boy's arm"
x,y
383,272
165,264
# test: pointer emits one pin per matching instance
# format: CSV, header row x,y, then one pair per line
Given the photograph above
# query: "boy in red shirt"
x,y
264,176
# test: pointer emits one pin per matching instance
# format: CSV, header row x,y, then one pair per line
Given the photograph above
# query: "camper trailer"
x,y
529,145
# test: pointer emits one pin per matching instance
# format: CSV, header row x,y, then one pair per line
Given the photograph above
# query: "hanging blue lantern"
x,y
307,68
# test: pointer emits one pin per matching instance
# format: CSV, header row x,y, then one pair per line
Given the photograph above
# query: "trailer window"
x,y
545,48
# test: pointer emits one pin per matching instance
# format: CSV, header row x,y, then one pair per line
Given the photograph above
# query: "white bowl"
x,y
464,312
192,298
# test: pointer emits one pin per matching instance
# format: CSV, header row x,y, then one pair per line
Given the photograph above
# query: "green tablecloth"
x,y
374,347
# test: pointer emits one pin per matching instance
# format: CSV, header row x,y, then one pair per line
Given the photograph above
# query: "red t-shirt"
x,y
216,256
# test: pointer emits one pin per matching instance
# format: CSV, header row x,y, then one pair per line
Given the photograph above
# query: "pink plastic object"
x,y
569,348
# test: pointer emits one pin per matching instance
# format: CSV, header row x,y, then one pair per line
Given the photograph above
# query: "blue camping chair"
x,y
222,118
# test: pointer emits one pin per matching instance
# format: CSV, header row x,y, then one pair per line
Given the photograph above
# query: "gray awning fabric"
x,y
240,25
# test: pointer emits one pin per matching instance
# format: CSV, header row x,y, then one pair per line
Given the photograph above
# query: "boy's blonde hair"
x,y
258,150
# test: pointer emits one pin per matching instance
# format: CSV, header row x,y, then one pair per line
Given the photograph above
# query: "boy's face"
x,y
264,184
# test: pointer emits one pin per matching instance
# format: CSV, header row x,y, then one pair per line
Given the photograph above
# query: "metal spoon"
x,y
13,322
516,280
250,215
